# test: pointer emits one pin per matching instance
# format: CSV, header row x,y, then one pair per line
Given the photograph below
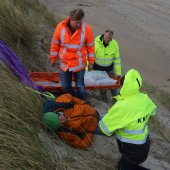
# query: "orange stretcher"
x,y
50,81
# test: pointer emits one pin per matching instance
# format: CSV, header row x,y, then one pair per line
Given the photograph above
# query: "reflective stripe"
x,y
90,44
122,139
82,35
78,52
105,128
55,41
62,53
133,132
53,53
117,63
77,67
80,59
102,64
62,35
91,55
116,58
102,59
73,45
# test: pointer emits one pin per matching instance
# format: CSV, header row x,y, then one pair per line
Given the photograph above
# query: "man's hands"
x,y
117,77
90,67
55,64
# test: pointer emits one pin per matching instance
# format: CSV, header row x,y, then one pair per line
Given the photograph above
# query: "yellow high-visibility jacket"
x,y
129,117
105,56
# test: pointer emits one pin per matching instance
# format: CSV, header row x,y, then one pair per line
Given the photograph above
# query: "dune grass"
x,y
20,109
26,26
23,144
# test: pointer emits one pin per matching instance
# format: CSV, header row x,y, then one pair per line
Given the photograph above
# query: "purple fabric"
x,y
9,58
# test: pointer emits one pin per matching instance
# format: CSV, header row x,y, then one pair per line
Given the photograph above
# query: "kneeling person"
x,y
128,119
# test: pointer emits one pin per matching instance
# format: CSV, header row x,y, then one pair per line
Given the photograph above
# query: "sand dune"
x,y
141,28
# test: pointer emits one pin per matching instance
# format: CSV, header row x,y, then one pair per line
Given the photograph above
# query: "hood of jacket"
x,y
131,84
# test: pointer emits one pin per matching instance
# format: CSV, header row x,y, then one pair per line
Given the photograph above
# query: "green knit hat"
x,y
51,119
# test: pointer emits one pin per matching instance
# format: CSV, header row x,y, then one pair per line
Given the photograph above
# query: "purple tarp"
x,y
9,58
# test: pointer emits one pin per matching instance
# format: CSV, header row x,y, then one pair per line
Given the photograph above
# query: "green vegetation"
x,y
20,109
26,26
20,146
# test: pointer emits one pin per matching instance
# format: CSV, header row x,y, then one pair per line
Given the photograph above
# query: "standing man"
x,y
107,57
128,119
71,47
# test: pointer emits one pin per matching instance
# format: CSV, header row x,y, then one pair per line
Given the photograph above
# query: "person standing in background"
x,y
71,47
107,58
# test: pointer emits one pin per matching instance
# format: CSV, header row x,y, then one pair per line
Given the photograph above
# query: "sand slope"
x,y
141,28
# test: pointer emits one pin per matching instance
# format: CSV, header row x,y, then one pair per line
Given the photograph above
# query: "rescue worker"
x,y
72,119
71,47
107,58
128,119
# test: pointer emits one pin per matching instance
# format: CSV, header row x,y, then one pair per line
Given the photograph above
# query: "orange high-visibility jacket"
x,y
82,120
72,49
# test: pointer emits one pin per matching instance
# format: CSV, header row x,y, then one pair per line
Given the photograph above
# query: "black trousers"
x,y
132,154
124,165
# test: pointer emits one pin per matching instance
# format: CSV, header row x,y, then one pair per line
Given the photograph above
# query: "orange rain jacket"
x,y
72,49
82,121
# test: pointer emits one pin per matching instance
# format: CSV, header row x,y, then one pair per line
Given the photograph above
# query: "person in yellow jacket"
x,y
107,57
128,119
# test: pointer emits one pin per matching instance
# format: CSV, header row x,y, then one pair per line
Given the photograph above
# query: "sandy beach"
x,y
141,28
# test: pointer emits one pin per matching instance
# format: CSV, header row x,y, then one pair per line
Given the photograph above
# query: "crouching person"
x,y
72,119
128,119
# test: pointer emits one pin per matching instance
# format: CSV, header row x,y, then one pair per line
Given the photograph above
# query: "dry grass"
x,y
71,158
23,145
26,26
20,110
